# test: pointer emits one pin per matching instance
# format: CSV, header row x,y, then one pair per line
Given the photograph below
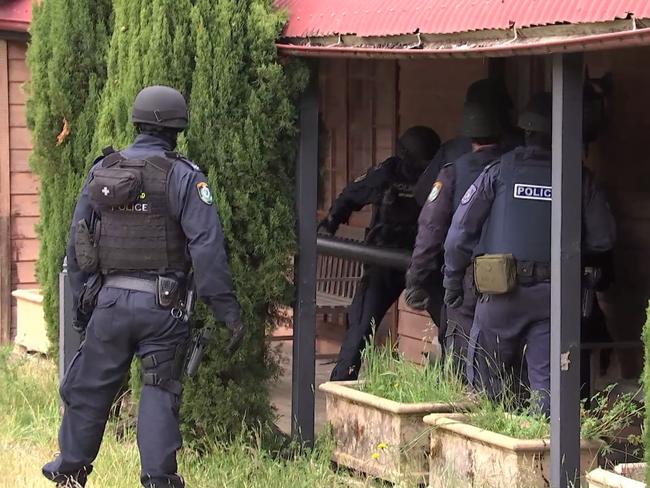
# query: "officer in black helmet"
x,y
485,91
389,189
482,124
508,209
145,218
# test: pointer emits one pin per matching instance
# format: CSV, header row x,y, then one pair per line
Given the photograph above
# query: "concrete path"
x,y
281,391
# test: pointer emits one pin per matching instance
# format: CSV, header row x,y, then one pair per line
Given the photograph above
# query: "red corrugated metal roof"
x,y
367,18
16,15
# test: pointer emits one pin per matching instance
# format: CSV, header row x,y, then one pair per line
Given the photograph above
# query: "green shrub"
x,y
243,128
89,58
66,57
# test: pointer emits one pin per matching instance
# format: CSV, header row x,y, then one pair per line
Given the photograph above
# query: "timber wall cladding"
x,y
24,184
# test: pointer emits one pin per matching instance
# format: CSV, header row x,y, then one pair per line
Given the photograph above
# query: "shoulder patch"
x,y
435,191
204,193
468,195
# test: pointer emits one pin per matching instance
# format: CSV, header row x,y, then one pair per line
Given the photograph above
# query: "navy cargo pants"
x,y
508,328
124,323
378,290
454,336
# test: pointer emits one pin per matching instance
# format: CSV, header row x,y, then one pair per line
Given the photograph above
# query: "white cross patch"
x,y
105,191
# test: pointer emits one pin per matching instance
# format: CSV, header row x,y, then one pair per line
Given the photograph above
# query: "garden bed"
x,y
380,437
466,453
623,476
31,331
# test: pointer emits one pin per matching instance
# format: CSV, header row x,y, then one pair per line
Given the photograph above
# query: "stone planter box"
x,y
380,437
30,324
623,476
461,453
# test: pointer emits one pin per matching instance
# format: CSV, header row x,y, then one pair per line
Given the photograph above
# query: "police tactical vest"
x,y
520,218
468,167
141,235
395,218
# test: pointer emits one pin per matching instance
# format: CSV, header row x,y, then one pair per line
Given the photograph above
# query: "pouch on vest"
x,y
495,274
86,252
112,187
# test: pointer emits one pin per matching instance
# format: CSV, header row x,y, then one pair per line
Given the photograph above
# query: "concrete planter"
x,y
30,324
461,453
623,476
379,437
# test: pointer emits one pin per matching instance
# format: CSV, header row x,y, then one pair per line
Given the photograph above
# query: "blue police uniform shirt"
x,y
599,228
198,219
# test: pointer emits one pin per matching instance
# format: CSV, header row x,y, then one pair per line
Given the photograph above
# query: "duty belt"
x,y
529,272
131,283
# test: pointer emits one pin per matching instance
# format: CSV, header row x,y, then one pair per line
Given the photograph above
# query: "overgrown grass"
x,y
29,419
605,420
388,375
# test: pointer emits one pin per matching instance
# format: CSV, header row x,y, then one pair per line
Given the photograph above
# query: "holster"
x,y
86,250
169,293
89,292
495,274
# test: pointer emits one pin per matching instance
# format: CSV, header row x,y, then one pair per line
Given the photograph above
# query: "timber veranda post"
x,y
304,313
566,236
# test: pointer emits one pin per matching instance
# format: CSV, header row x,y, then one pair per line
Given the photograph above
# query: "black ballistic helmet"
x,y
490,90
538,114
481,120
419,143
160,106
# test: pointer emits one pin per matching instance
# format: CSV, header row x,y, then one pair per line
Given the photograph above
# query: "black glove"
x,y
416,298
453,297
237,331
329,225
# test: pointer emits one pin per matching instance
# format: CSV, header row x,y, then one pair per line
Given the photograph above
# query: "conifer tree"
x,y
151,45
89,58
242,133
67,61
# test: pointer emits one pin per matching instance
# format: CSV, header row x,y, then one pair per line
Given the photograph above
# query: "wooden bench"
x,y
336,282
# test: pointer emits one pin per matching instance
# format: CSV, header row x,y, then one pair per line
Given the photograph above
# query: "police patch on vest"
x,y
133,207
532,192
435,191
468,195
204,193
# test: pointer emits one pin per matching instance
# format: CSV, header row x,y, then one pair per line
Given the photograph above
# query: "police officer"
x,y
389,189
508,209
152,219
487,90
482,124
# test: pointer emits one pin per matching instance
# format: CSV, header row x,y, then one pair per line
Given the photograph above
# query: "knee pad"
x,y
164,369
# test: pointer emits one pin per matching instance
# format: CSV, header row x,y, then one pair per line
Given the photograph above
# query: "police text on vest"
x,y
532,192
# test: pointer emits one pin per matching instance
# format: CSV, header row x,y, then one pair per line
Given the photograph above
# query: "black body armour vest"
x,y
520,219
468,167
141,235
395,218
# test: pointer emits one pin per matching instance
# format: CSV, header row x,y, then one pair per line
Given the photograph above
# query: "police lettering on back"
x,y
532,192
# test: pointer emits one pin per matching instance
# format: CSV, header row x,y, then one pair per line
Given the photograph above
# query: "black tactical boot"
x,y
75,479
171,481
344,371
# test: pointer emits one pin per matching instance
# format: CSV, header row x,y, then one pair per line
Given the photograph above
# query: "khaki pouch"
x,y
495,274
